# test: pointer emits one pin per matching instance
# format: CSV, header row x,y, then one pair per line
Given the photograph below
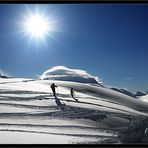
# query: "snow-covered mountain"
x,y
139,94
63,73
124,91
136,95
3,76
29,113
144,98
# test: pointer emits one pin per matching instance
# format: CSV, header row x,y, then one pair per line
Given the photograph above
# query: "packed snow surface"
x,y
29,113
144,98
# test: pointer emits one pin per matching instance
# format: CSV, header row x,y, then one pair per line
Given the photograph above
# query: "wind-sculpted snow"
x,y
105,93
28,112
63,73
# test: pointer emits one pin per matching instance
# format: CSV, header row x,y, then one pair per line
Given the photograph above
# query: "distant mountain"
x,y
124,91
134,95
139,94
1,76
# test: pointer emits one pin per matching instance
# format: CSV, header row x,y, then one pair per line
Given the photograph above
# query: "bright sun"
x,y
37,26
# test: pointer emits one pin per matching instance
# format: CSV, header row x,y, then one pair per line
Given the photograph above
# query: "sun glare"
x,y
37,25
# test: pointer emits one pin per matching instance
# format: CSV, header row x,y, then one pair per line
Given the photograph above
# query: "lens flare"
x,y
37,25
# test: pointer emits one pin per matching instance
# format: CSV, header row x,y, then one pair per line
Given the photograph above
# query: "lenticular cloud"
x,y
67,74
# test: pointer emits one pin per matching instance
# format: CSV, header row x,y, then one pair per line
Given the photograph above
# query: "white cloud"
x,y
62,71
129,78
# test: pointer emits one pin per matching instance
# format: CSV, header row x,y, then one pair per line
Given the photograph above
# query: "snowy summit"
x,y
66,74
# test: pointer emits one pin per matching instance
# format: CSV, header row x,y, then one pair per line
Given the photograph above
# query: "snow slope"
x,y
29,114
144,98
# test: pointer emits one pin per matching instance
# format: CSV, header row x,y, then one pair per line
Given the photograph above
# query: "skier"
x,y
72,94
53,89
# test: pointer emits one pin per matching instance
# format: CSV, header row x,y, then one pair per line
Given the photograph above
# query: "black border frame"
x,y
132,2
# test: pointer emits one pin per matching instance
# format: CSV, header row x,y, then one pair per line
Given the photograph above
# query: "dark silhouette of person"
x,y
57,100
72,94
53,89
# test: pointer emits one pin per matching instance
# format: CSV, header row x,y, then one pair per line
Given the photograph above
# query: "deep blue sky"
x,y
109,41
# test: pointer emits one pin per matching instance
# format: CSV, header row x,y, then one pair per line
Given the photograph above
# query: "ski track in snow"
x,y
28,108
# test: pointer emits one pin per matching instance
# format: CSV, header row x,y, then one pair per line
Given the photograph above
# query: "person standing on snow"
x,y
72,94
53,89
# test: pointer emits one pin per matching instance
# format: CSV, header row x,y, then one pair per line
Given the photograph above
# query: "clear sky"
x,y
109,41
